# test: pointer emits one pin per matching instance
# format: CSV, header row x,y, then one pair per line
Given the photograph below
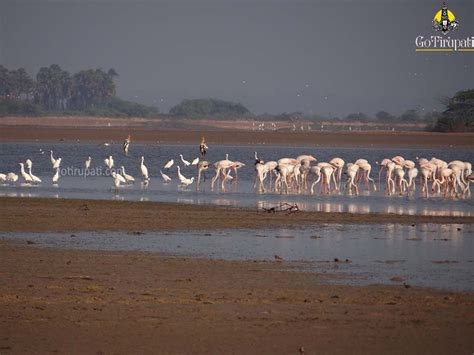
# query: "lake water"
x,y
431,255
238,193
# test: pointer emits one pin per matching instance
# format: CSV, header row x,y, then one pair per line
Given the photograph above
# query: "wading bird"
x,y
53,161
118,179
26,178
128,178
221,167
144,170
184,180
56,177
109,162
12,177
169,164
203,147
57,163
185,162
126,145
202,166
34,179
165,177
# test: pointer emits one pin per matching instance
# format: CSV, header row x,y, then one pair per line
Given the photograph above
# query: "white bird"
x,y
57,163
128,178
165,177
144,170
184,180
34,178
53,161
3,178
195,161
12,177
109,162
185,162
24,175
169,164
56,177
118,179
87,164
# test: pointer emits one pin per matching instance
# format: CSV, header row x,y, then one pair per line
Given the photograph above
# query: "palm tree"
x,y
53,87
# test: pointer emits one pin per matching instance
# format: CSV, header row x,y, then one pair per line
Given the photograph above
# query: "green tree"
x,y
431,116
359,116
5,84
384,116
53,88
459,113
21,84
92,88
209,107
409,116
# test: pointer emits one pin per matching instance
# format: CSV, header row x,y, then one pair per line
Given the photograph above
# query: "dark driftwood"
x,y
282,207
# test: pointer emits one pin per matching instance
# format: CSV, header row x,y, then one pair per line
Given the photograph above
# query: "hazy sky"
x,y
333,56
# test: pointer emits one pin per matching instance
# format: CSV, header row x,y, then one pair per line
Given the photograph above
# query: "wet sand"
x,y
75,302
48,214
236,137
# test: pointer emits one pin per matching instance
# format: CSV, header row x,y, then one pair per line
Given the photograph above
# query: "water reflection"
x,y
238,192
426,254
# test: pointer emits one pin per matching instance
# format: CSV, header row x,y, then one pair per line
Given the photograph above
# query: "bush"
x,y
209,107
130,109
18,108
459,122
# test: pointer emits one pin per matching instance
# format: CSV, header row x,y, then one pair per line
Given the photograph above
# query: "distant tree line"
x,y
409,116
93,92
227,109
90,91
209,108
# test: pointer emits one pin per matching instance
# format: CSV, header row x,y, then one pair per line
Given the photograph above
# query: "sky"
x,y
329,57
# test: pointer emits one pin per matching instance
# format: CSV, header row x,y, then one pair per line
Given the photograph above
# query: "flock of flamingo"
x,y
298,175
295,175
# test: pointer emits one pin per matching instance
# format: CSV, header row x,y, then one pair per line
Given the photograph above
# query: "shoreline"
x,y
369,139
137,302
49,214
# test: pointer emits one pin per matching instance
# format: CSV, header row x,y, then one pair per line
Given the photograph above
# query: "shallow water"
x,y
431,255
238,193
